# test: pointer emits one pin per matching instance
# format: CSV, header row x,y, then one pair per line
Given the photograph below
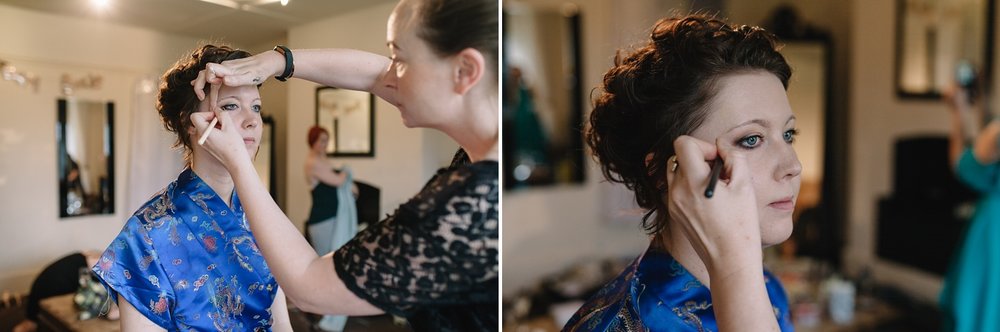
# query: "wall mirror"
x,y
349,117
934,36
542,95
86,158
264,162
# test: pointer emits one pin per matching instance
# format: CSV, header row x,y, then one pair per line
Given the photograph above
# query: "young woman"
x,y
435,260
187,260
329,227
971,292
701,94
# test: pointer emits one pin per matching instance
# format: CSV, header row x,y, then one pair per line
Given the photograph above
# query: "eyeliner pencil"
x,y
204,137
716,171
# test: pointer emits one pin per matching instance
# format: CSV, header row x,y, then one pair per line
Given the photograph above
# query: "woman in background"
x,y
187,260
333,218
970,298
435,260
699,91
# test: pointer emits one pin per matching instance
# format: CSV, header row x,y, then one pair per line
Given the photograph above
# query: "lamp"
x,y
10,73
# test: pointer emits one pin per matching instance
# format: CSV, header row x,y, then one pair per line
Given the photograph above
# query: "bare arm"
x,y
960,109
279,313
323,171
134,321
985,146
308,280
342,68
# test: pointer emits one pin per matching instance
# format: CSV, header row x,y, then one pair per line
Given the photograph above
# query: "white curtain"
x,y
152,163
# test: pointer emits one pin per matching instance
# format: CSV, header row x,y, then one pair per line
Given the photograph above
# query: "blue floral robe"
x,y
187,261
656,293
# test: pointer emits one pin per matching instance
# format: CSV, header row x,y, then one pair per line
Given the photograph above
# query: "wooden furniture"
x,y
59,314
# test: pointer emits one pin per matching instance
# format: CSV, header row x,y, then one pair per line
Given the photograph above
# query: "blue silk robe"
x,y
656,293
187,261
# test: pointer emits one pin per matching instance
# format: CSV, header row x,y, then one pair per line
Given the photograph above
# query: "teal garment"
x,y
970,299
330,234
529,136
324,203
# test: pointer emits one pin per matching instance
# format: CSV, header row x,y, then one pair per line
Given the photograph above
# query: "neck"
x,y
478,134
677,244
215,175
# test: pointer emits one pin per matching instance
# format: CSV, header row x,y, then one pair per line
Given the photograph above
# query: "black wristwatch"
x,y
289,63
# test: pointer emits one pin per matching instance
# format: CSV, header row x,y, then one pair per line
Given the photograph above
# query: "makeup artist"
x,y
698,91
970,297
435,260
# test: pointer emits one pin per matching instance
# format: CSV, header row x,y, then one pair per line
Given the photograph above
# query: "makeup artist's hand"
x,y
724,230
252,70
224,142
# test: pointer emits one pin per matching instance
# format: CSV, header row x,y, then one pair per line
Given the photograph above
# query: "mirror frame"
x,y
61,153
985,68
332,128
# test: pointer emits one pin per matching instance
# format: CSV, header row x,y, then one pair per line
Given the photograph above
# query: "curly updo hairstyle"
x,y
176,100
661,91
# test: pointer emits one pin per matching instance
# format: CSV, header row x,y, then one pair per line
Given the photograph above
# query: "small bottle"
x,y
841,300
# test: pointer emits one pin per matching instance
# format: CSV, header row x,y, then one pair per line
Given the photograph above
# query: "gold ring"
x,y
673,163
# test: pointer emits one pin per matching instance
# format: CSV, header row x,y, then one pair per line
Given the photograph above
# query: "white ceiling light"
x,y
254,6
101,5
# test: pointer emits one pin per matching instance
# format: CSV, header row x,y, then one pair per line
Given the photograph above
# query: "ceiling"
x,y
245,23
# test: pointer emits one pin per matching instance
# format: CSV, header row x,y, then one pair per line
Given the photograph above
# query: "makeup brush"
x,y
714,179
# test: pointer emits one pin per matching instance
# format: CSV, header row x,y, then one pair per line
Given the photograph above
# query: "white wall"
x,y
404,158
48,45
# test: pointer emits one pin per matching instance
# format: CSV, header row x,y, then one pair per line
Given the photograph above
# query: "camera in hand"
x,y
967,78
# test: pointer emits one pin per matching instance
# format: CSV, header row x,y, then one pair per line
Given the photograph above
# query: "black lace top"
x,y
435,260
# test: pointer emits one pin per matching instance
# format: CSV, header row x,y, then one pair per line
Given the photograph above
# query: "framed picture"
x,y
935,37
349,117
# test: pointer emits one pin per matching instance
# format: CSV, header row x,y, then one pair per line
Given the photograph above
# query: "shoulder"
x,y
476,179
610,307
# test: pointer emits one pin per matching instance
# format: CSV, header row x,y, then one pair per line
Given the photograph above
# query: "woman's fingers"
x,y
201,121
737,171
692,156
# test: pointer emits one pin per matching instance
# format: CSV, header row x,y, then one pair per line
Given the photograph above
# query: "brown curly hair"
x,y
661,91
177,101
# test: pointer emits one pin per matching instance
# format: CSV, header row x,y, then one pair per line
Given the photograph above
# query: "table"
x,y
59,314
